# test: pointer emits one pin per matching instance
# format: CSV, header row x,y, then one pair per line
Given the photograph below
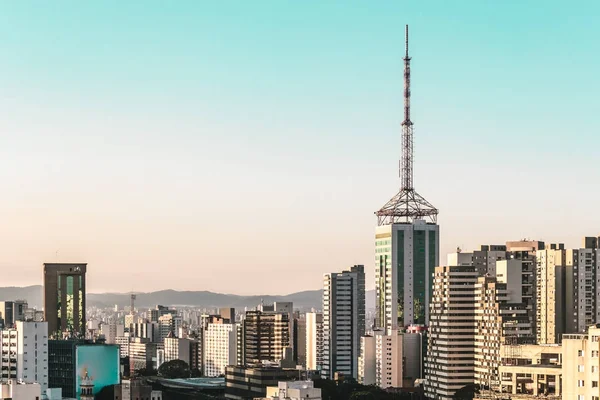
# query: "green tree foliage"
x,y
174,369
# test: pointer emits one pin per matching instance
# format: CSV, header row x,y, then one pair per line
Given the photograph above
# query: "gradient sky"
x,y
243,146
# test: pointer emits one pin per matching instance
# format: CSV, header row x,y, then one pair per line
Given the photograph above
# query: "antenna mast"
x,y
407,205
406,170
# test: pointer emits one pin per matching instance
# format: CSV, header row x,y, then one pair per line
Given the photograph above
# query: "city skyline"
x,y
220,143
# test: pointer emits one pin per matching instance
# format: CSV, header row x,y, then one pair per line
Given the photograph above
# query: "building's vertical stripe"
x,y
400,276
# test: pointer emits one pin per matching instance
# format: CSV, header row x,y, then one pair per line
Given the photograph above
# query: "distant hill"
x,y
303,300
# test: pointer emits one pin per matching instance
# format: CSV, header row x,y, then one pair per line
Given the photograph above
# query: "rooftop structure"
x,y
407,205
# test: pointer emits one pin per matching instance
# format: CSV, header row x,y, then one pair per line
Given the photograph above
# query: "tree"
x,y
174,369
465,393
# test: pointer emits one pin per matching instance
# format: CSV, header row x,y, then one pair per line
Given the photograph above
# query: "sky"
x,y
243,146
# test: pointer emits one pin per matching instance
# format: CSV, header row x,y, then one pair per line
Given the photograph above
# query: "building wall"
x,y
266,335
550,307
449,363
580,365
32,350
343,321
405,257
220,348
314,341
367,362
67,283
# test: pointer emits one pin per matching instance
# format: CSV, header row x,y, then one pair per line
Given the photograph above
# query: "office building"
x,y
295,390
381,360
24,351
181,349
135,389
69,361
142,355
449,364
266,335
220,348
64,298
159,311
111,332
343,321
12,311
244,383
414,350
314,341
300,335
148,330
406,241
168,323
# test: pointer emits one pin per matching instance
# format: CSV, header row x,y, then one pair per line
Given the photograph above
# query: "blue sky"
x,y
259,137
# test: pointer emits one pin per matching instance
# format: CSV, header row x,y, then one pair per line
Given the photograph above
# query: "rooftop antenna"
x,y
407,205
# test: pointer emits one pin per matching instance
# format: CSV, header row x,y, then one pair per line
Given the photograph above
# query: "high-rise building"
x,y
550,294
314,341
111,332
406,241
142,355
381,360
343,321
300,334
24,351
64,297
266,335
449,364
220,348
168,323
181,349
227,313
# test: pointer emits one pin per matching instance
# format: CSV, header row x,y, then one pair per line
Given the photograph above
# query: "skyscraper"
x,y
343,321
64,297
266,336
406,241
314,341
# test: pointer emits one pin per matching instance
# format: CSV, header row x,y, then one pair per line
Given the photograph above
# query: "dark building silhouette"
x,y
64,297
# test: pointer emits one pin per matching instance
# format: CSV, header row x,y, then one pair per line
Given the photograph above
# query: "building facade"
x,y
220,348
381,360
314,341
266,336
64,297
343,321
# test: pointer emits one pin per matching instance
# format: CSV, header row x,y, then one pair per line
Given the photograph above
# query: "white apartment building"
x,y
550,294
314,341
168,323
381,360
581,365
220,348
24,351
179,349
343,321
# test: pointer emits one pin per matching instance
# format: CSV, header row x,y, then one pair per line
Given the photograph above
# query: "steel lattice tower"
x,y
407,205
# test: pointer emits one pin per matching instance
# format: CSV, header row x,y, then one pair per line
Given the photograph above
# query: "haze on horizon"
x,y
243,147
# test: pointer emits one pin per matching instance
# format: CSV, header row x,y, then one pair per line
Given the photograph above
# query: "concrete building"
x,y
314,341
228,313
405,257
500,317
550,294
135,389
414,348
64,297
25,353
220,348
142,355
381,360
266,336
300,339
296,390
12,311
581,365
148,330
181,349
111,332
168,323
243,383
15,390
530,370
449,364
343,321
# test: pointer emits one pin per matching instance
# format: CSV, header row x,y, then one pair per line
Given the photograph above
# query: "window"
x,y
580,397
580,368
594,353
579,353
594,384
580,383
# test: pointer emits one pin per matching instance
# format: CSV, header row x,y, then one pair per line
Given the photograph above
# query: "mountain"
x,y
303,300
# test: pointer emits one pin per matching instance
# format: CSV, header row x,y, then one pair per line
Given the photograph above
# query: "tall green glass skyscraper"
x,y
407,241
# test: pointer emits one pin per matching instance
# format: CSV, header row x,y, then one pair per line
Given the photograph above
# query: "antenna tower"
x,y
407,205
